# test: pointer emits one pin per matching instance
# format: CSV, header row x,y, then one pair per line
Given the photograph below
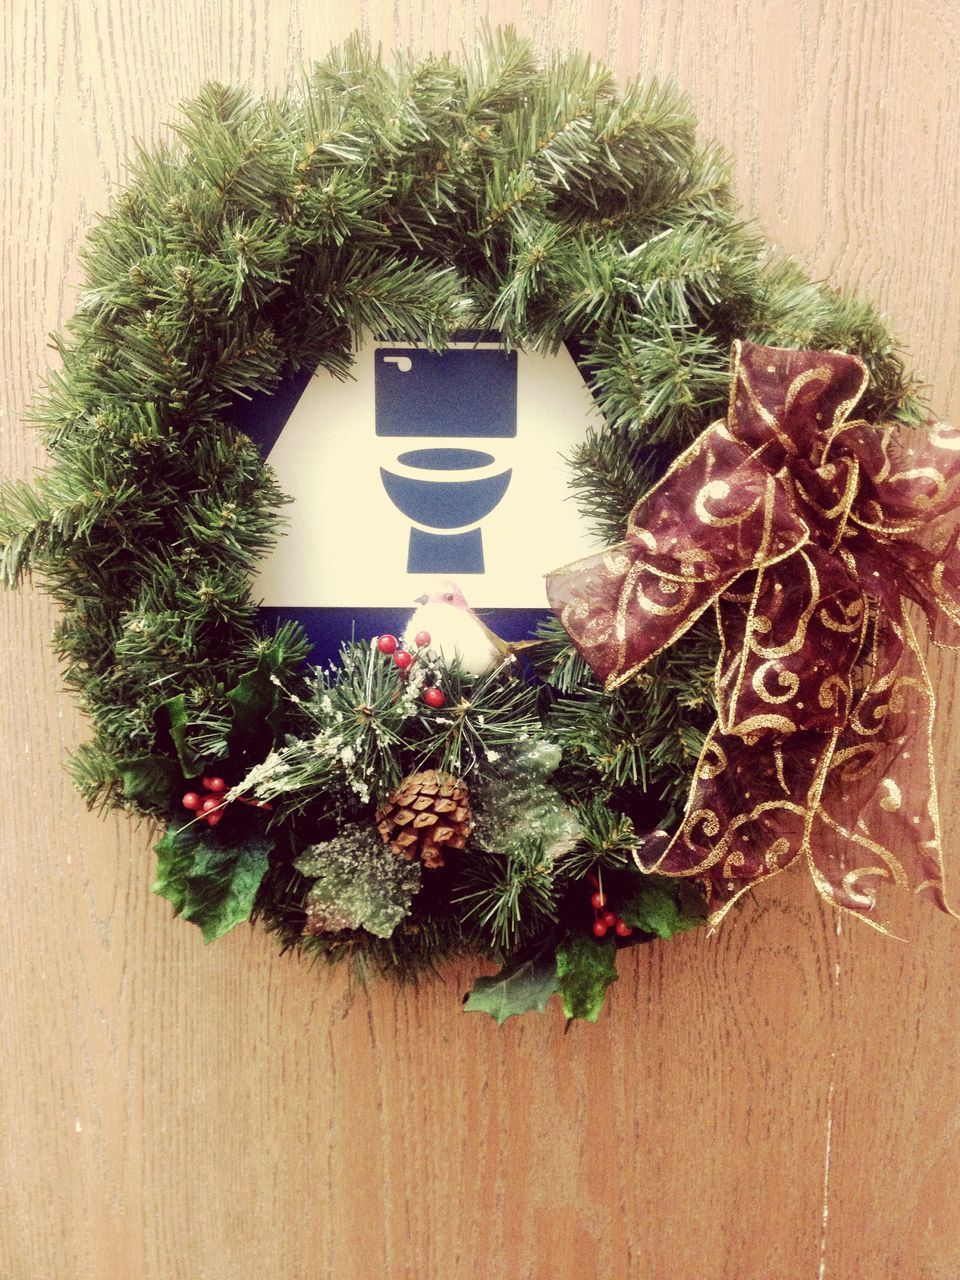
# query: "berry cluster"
x,y
603,919
404,660
209,807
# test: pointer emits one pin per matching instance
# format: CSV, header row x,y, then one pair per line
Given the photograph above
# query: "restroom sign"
x,y
423,465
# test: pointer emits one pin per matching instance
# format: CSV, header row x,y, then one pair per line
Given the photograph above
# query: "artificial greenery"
x,y
357,883
210,881
524,985
661,909
410,201
585,968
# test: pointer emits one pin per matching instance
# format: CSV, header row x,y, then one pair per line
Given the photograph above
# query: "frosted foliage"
x,y
358,883
519,805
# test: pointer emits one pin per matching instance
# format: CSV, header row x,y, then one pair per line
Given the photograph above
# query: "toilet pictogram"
x,y
420,465
446,492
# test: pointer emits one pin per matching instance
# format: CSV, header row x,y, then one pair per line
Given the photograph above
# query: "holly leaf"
x,y
519,805
657,908
523,985
585,968
210,883
256,703
150,781
173,716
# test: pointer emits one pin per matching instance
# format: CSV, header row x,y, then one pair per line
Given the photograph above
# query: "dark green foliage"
x,y
409,201
585,968
608,840
662,907
640,742
524,985
174,716
150,782
512,895
210,879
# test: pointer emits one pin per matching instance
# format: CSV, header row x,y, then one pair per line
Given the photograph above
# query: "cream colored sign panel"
x,y
430,465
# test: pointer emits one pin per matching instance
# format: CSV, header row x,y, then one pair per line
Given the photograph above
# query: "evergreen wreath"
x,y
410,201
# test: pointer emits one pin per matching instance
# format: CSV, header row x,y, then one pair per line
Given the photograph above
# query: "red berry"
x,y
622,929
598,900
387,644
609,919
433,697
214,784
403,659
210,802
421,639
190,800
599,929
214,818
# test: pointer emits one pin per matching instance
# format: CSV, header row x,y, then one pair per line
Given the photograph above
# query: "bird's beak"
x,y
421,600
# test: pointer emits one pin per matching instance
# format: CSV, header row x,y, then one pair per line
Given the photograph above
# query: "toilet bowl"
x,y
445,493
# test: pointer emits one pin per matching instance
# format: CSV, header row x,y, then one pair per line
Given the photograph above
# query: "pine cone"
x,y
427,813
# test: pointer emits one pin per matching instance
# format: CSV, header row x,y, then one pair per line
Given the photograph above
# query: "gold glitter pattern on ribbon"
x,y
808,532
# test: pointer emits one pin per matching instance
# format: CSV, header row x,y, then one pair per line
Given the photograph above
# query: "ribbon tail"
x,y
742,823
878,818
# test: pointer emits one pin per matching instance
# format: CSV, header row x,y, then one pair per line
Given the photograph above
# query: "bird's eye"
x,y
449,597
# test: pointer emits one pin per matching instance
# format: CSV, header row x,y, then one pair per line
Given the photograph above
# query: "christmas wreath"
x,y
406,805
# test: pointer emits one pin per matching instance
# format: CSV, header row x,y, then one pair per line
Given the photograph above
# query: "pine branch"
x,y
511,897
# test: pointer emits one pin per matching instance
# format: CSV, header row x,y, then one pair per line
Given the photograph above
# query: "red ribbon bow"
x,y
808,532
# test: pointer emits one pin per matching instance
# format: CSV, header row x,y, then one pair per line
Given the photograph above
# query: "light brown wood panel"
x,y
775,1103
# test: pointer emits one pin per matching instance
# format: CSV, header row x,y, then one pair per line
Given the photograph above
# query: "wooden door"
x,y
775,1103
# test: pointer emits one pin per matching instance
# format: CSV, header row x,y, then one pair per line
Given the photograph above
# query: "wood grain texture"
x,y
777,1103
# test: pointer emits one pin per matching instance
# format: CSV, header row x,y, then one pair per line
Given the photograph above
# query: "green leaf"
x,y
210,883
585,968
523,985
519,805
256,702
358,883
151,781
173,716
660,909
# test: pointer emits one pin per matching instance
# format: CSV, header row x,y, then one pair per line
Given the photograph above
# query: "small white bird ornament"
x,y
457,633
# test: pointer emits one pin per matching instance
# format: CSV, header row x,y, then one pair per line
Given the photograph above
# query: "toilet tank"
x,y
461,392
